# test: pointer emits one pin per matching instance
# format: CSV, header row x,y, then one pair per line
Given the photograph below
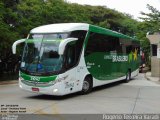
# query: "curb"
x,y
8,82
149,79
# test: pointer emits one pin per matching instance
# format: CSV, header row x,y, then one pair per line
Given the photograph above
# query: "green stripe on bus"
x,y
41,78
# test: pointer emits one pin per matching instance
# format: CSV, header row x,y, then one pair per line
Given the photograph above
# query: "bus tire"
x,y
128,76
87,85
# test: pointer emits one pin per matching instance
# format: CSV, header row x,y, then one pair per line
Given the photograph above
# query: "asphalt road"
x,y
139,96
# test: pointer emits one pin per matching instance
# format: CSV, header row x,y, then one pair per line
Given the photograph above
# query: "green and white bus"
x,y
60,59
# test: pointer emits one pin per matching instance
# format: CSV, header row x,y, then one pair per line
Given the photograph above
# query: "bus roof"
x,y
67,27
60,27
105,31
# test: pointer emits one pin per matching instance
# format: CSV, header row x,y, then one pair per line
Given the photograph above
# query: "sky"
x,y
132,7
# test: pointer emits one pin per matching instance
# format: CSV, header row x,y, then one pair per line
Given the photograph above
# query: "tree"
x,y
152,19
150,23
6,32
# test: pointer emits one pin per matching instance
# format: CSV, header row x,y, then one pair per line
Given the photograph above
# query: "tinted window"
x,y
73,49
102,43
154,50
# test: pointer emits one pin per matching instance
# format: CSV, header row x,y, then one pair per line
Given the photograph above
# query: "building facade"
x,y
155,62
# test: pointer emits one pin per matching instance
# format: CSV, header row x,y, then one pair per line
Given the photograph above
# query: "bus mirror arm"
x,y
64,43
15,44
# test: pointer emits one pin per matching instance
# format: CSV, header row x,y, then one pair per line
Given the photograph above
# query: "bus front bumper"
x,y
56,89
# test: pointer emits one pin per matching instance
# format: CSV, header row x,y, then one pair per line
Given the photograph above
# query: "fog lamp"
x,y
55,90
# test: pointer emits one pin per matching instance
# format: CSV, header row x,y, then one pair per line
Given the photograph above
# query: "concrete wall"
x,y
154,39
155,62
155,66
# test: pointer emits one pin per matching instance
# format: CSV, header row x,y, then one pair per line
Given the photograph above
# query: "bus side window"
x,y
80,34
128,49
70,56
102,43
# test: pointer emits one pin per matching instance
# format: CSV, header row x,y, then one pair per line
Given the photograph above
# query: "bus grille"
x,y
35,83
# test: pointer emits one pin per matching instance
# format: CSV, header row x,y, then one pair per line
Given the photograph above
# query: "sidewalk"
x,y
149,77
8,78
8,82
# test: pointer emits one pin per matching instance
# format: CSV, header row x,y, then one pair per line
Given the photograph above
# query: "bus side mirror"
x,y
64,43
15,44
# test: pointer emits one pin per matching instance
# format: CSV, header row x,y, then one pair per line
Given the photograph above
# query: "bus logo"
x,y
133,55
35,78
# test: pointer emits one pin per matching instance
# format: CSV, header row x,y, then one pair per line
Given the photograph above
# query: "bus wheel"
x,y
87,85
128,76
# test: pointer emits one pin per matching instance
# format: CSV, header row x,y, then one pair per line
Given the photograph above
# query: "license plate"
x,y
35,89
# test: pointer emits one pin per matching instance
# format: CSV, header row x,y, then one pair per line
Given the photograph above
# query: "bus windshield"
x,y
40,54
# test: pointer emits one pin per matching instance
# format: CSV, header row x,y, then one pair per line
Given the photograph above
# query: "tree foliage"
x,y
152,19
7,34
151,23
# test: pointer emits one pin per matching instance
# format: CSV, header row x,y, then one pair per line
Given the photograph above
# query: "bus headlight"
x,y
20,86
52,82
61,78
20,78
55,90
58,80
